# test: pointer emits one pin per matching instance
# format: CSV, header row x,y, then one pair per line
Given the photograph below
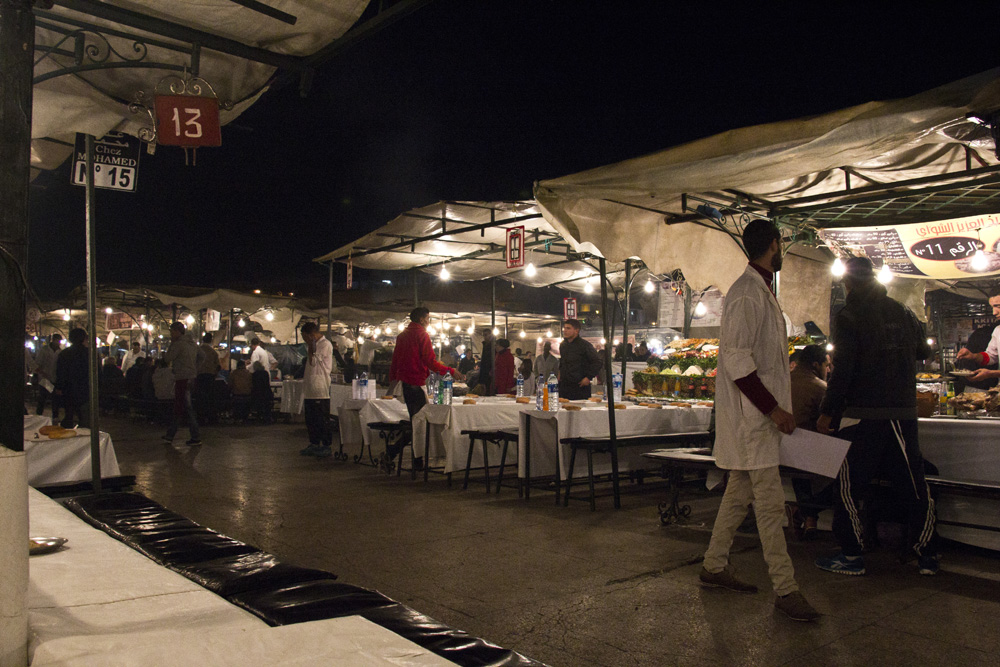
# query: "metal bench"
x,y
391,433
501,438
604,445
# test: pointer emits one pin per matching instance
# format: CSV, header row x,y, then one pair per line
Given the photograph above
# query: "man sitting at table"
x,y
413,360
578,363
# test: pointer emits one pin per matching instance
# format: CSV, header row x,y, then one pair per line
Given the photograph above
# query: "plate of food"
x,y
928,376
44,545
961,373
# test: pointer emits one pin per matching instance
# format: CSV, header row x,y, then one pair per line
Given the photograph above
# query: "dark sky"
x,y
477,100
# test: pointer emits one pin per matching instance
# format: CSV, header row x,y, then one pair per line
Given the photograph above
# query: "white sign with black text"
x,y
116,162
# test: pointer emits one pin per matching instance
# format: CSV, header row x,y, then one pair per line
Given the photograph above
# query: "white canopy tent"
x,y
916,159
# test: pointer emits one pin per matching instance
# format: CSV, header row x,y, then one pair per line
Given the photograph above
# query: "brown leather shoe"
x,y
725,579
795,607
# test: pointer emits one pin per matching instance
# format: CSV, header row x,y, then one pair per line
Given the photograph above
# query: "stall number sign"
x,y
186,120
116,161
515,247
569,308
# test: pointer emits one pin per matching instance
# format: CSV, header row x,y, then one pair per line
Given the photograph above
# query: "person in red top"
x,y
414,359
504,367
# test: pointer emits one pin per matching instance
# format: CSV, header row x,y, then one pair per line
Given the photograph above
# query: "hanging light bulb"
x,y
829,347
378,331
548,333
530,270
496,331
458,328
108,310
650,287
471,329
445,275
66,316
700,310
241,323
884,275
838,269
522,334
273,339
269,316
979,261
540,339
615,342
189,319
431,330
401,327
588,288
604,341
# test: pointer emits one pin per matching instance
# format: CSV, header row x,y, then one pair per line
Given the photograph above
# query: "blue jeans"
x,y
182,404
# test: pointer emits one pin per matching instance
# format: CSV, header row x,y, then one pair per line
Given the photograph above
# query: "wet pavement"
x,y
566,586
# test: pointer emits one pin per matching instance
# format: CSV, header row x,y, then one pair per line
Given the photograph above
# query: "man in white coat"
x,y
753,408
316,380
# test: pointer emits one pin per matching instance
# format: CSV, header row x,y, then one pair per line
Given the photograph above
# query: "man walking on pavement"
x,y
183,355
753,404
876,344
316,390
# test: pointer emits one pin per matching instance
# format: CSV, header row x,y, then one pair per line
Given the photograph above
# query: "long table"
x,y
964,449
98,602
540,453
65,459
447,446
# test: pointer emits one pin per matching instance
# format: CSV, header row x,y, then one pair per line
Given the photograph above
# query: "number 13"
x,y
191,122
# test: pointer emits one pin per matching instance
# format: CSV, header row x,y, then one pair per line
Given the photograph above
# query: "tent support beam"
x,y
628,288
609,395
329,304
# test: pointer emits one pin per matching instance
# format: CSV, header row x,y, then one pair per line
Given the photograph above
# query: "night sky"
x,y
476,101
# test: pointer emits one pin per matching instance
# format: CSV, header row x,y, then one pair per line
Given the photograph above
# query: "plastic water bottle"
x,y
553,393
429,386
363,386
540,396
520,385
446,391
617,381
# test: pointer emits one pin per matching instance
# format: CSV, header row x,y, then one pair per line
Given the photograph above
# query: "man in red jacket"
x,y
414,359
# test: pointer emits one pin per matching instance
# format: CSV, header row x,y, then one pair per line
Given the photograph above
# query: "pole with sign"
x,y
515,247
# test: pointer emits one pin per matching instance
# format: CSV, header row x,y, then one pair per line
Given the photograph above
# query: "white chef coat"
x,y
316,377
753,338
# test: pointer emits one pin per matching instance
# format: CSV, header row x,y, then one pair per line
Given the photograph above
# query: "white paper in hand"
x,y
813,452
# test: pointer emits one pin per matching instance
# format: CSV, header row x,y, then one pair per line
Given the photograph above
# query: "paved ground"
x,y
566,586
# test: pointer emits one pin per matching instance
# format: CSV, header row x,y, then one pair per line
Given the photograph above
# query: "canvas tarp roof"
x,y
624,209
96,101
459,235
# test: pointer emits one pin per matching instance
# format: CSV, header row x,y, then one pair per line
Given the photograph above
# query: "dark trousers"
x,y
204,398
414,397
318,421
888,449
43,396
75,413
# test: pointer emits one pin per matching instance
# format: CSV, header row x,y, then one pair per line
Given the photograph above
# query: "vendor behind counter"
x,y
978,341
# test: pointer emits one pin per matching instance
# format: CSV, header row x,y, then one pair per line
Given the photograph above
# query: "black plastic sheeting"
x,y
278,593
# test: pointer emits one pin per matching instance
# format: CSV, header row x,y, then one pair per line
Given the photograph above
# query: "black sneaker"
x,y
193,441
929,565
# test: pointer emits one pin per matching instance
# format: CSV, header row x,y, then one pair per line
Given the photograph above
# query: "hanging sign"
x,y
118,321
569,308
187,120
944,249
515,247
116,161
350,272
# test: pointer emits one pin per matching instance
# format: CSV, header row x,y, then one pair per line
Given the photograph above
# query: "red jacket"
x,y
505,371
413,359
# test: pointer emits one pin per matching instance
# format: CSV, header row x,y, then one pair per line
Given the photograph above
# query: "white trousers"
x,y
763,489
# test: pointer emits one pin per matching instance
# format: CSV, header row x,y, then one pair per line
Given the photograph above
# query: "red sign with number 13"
x,y
185,120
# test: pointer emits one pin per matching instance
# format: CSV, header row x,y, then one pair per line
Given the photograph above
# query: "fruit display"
x,y
685,370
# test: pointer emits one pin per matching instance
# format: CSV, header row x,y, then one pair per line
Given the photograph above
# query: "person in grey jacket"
x,y
184,356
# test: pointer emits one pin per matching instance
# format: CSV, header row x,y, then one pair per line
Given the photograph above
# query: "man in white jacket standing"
x,y
753,408
183,355
316,391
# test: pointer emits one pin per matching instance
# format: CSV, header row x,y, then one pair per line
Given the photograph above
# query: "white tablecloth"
x,y
64,460
448,445
98,602
965,449
547,428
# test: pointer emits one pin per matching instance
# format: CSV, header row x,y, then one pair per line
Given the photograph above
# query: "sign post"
x,y
569,308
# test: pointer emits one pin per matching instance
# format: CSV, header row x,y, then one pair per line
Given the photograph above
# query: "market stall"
x,y
63,456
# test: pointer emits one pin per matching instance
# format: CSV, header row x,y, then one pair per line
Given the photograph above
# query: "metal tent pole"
x,y
609,395
628,288
493,325
329,304
95,432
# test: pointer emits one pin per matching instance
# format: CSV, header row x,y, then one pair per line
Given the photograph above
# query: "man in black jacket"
x,y
872,391
578,363
73,380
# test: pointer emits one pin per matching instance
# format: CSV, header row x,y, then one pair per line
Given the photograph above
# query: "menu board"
x,y
930,250
671,311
